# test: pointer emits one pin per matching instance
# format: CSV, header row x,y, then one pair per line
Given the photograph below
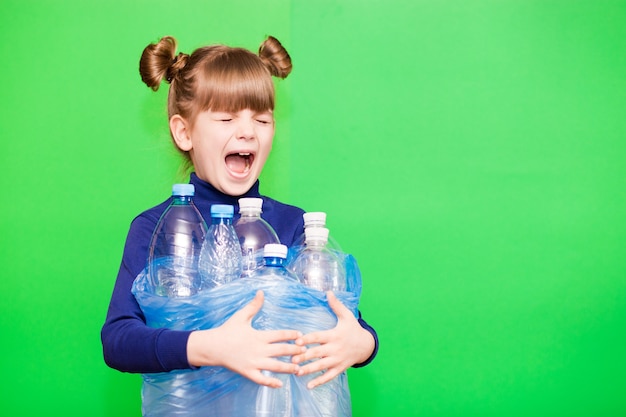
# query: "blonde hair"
x,y
215,77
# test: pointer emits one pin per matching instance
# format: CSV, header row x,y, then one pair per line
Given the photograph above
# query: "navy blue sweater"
x,y
129,345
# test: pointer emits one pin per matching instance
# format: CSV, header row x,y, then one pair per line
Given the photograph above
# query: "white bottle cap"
x,y
250,203
275,250
314,218
316,234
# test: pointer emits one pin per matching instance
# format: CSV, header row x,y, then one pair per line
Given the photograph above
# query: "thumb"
x,y
252,308
337,306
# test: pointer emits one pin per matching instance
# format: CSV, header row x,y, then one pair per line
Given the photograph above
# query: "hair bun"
x,y
159,61
275,57
178,63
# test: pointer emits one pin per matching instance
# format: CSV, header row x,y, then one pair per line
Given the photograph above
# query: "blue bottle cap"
x,y
222,210
183,190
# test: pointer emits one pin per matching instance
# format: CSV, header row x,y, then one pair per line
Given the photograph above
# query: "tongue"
x,y
237,163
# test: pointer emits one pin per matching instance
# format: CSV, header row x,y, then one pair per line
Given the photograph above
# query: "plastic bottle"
x,y
175,246
316,266
220,257
275,259
254,233
275,402
314,219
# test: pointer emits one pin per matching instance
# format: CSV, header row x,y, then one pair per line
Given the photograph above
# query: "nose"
x,y
245,128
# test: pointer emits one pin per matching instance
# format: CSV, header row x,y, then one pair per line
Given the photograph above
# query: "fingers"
x,y
281,367
323,378
314,338
315,365
312,353
267,376
327,368
274,336
264,378
260,354
278,350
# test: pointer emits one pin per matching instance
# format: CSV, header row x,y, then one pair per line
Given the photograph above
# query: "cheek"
x,y
265,151
267,142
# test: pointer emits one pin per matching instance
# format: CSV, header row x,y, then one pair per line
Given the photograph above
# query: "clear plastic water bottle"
x,y
275,402
254,233
316,266
220,257
175,246
315,219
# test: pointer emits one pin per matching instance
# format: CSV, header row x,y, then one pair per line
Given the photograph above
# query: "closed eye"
x,y
222,116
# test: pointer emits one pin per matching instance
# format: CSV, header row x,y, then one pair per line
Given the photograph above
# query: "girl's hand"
x,y
236,345
338,348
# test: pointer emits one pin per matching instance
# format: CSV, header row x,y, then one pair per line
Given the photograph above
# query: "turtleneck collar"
x,y
207,192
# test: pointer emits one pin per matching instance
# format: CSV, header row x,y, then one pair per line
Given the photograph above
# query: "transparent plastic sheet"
x,y
216,391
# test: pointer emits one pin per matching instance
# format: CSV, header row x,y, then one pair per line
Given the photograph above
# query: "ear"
x,y
181,132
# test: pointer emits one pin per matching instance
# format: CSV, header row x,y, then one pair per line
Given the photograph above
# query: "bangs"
x,y
237,81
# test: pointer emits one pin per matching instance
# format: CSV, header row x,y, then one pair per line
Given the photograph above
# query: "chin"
x,y
236,190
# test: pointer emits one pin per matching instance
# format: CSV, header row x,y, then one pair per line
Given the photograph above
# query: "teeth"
x,y
244,153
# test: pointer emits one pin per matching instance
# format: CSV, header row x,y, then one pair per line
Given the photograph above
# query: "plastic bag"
x,y
217,391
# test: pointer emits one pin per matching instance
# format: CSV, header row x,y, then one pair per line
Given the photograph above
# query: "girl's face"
x,y
229,150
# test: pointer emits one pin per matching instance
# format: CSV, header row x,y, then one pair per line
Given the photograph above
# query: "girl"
x,y
220,109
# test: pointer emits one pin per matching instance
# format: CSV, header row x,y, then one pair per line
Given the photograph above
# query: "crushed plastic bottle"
x,y
220,258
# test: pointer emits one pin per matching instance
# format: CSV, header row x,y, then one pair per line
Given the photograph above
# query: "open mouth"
x,y
239,162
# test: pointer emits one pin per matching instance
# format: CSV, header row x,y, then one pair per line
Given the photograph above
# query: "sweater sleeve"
x,y
375,336
129,345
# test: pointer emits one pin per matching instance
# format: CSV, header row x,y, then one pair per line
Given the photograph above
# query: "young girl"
x,y
220,109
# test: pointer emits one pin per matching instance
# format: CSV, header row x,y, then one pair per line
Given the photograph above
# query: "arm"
x,y
129,345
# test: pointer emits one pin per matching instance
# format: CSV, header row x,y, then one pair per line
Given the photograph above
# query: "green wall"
x,y
471,155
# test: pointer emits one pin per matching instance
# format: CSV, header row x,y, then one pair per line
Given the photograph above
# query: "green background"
x,y
470,153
